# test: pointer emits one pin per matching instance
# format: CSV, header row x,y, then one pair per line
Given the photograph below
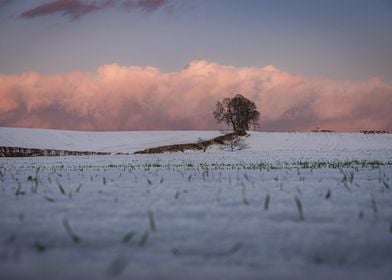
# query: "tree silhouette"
x,y
238,112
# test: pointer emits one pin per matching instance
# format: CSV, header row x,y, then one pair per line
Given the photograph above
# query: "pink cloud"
x,y
71,8
77,8
144,98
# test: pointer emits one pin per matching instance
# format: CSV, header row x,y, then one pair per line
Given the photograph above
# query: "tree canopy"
x,y
238,112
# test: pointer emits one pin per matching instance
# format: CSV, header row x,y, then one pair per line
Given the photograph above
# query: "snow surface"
x,y
212,215
132,141
119,141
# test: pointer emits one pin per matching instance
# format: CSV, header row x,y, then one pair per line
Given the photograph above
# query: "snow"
x,y
119,141
132,141
212,215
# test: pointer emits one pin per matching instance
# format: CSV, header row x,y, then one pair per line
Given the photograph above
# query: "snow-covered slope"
x,y
118,141
131,141
289,206
264,141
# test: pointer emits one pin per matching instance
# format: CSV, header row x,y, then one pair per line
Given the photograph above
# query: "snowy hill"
x,y
289,206
119,141
131,141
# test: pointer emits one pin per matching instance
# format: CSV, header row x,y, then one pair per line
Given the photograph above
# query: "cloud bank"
x,y
144,98
74,9
71,8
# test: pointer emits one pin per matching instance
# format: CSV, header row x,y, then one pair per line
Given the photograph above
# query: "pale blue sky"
x,y
339,39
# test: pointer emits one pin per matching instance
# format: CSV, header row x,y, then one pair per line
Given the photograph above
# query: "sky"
x,y
163,64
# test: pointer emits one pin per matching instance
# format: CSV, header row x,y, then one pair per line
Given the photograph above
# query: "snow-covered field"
x,y
132,141
291,206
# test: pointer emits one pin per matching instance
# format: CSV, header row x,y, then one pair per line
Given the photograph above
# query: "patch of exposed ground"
x,y
27,152
199,146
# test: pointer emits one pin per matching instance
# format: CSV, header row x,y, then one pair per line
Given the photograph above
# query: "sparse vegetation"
x,y
145,207
70,232
199,145
234,144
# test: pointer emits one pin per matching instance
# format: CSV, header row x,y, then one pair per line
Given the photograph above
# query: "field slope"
x,y
132,141
290,206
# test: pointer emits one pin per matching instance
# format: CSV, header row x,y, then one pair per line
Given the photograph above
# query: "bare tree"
x,y
238,112
203,144
236,143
